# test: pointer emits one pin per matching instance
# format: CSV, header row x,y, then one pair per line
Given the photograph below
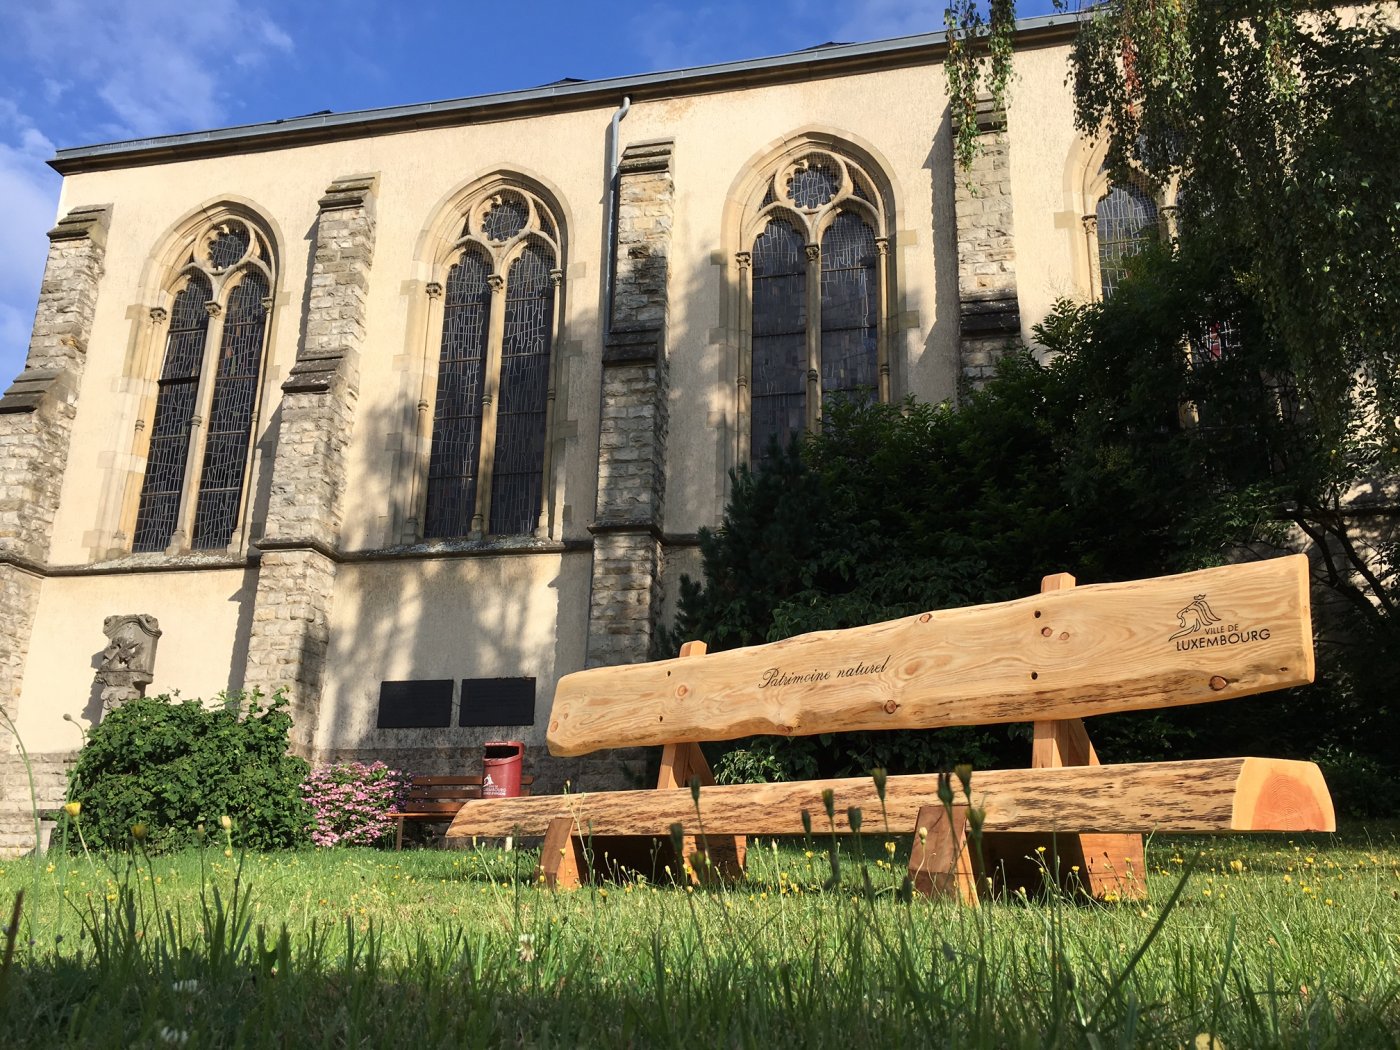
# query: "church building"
x,y
412,411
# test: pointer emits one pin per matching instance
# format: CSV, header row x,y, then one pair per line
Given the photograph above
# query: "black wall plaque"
x,y
497,702
415,705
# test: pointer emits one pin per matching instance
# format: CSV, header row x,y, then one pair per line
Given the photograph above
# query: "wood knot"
x,y
926,617
681,691
891,707
1218,683
1046,632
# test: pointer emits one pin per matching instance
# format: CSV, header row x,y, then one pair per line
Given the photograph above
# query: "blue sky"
x,y
78,72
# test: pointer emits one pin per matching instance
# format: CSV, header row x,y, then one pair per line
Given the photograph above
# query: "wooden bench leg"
x,y
563,864
940,864
722,861
1115,867
1104,866
398,838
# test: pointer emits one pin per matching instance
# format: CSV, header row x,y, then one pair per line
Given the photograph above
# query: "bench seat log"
x,y
1204,796
1070,653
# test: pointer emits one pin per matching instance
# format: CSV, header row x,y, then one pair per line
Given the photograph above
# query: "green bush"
x,y
173,765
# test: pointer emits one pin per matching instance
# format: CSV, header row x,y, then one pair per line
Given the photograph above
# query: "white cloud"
x,y
54,89
161,66
82,71
36,144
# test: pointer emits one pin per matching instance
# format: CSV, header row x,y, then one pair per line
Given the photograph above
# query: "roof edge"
x,y
1042,31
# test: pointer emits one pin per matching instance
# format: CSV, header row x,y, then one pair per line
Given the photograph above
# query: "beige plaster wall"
x,y
1047,159
204,618
454,618
899,115
485,616
680,561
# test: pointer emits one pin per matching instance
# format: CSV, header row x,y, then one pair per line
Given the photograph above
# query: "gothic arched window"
x,y
194,488
815,276
1126,222
488,450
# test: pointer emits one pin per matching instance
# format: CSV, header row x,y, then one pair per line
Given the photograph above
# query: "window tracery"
x,y
496,315
1119,219
194,487
814,273
1126,221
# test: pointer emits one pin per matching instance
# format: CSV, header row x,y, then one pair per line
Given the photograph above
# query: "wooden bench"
x,y
1051,659
437,799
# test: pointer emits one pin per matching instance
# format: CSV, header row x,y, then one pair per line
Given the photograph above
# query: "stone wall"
x,y
632,430
612,770
17,805
36,426
989,311
291,633
626,596
646,198
633,417
296,574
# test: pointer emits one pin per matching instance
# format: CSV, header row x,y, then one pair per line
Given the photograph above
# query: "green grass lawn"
x,y
1271,941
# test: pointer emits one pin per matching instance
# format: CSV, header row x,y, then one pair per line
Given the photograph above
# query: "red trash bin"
x,y
501,763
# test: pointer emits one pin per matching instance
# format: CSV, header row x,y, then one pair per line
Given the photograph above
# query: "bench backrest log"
x,y
1197,637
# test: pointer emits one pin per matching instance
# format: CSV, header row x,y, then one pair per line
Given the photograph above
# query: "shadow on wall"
x,y
446,610
942,343
92,710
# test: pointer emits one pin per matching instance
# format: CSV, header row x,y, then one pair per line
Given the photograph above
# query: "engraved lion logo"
x,y
1194,617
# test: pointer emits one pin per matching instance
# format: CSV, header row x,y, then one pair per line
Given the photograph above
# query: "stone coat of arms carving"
x,y
129,660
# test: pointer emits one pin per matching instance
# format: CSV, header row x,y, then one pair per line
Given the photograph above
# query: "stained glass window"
x,y
504,219
850,305
509,235
778,374
229,246
821,219
209,375
230,423
520,417
1127,221
177,389
456,444
813,183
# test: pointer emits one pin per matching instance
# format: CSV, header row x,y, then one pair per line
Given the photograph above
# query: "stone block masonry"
x,y
626,596
989,311
633,416
319,396
632,444
291,633
36,427
17,805
296,574
646,200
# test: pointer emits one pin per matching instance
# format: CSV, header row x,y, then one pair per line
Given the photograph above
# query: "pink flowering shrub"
x,y
352,803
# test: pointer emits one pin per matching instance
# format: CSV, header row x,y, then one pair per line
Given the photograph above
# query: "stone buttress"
x,y
36,428
627,554
989,311
297,569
